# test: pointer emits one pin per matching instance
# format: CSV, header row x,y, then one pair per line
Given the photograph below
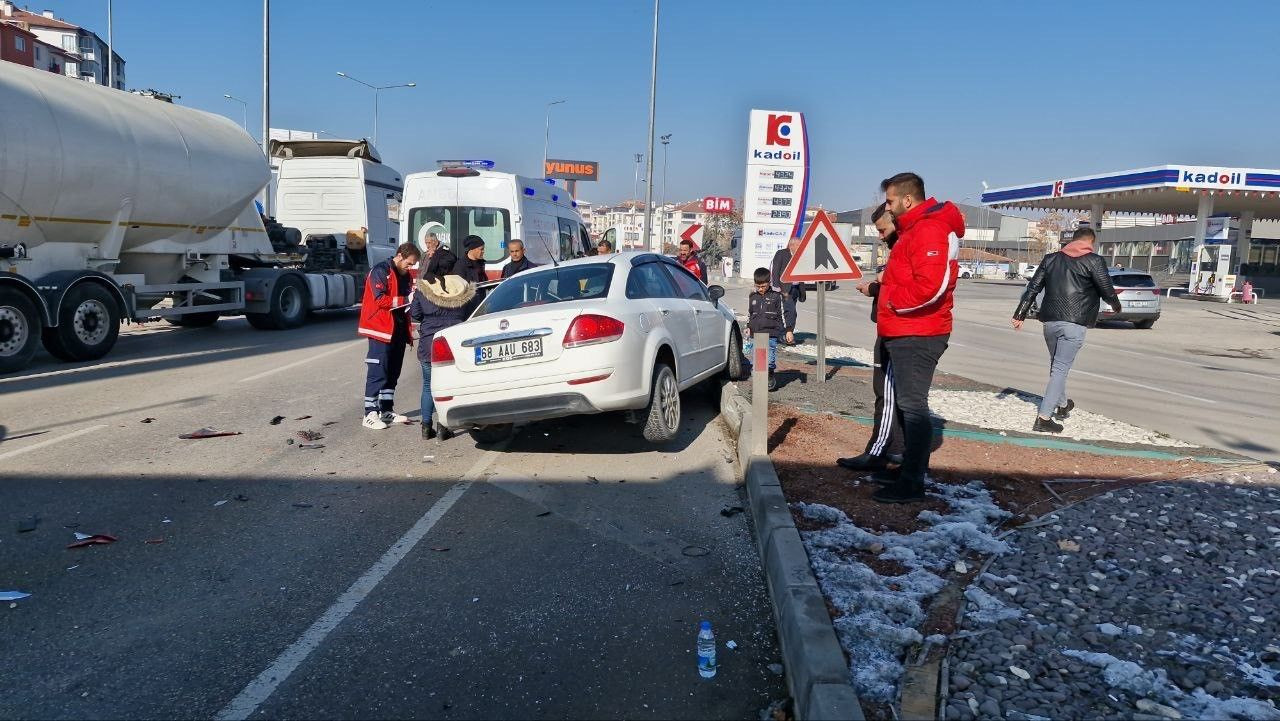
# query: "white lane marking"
x,y
295,364
51,441
261,688
113,364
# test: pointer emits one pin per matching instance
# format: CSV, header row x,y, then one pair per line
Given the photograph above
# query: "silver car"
x,y
1139,298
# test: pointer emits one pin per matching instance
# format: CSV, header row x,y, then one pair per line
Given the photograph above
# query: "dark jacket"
x,y
791,291
1072,287
441,263
764,313
875,284
473,271
511,269
434,313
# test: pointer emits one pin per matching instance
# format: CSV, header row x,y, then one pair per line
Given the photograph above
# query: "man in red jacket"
x,y
914,318
384,321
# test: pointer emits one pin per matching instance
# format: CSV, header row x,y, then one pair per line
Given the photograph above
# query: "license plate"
x,y
1141,303
511,350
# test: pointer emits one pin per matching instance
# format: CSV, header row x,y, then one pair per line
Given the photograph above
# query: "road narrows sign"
x,y
821,255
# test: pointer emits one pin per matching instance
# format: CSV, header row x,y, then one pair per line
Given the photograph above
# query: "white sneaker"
x,y
373,421
389,417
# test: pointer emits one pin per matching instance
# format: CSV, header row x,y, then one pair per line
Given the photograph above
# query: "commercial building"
x,y
59,46
1008,236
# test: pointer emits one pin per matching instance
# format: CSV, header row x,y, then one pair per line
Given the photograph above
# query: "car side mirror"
x,y
716,292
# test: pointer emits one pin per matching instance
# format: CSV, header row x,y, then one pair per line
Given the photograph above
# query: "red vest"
x,y
381,294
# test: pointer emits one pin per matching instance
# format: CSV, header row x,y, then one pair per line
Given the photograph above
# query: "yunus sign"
x,y
572,169
716,204
777,185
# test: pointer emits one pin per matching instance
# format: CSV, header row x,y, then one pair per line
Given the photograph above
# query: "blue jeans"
x,y
1064,341
428,404
773,353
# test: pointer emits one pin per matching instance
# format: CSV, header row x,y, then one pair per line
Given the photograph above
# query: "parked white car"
x,y
625,332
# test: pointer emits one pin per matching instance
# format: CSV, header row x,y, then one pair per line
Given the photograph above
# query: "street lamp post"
x,y
662,236
653,107
376,89
546,140
245,122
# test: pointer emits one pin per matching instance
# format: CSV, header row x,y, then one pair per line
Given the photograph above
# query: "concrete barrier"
x,y
817,673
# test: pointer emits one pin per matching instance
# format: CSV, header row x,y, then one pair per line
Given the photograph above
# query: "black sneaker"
x,y
894,458
428,431
1062,413
1045,425
899,493
773,382
864,462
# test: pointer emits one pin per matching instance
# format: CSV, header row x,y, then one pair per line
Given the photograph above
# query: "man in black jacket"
x,y
765,315
472,267
519,261
791,292
1073,279
885,445
436,259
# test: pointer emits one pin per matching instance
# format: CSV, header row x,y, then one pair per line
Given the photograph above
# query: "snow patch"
x,y
881,613
847,353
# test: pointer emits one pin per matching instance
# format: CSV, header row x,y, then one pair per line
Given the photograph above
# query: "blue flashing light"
x,y
550,181
554,197
529,191
573,203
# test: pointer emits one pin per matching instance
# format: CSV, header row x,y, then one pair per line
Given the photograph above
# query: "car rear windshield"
x,y
550,285
1133,280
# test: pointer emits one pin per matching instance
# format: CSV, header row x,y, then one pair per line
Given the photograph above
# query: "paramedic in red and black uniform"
x,y
384,320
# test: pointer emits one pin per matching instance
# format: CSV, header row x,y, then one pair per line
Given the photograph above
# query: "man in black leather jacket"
x,y
1073,279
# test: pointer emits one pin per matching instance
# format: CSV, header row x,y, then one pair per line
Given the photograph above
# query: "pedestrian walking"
x,y
1073,280
764,315
438,304
385,322
913,314
885,444
437,259
792,293
688,257
518,261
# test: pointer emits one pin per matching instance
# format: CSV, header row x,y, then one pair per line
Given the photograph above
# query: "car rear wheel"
x,y
662,416
1144,324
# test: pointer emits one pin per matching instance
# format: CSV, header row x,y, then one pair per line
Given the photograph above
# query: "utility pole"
x,y
266,97
653,106
111,62
662,206
546,141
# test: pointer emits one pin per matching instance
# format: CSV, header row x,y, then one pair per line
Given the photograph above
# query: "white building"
x,y
80,53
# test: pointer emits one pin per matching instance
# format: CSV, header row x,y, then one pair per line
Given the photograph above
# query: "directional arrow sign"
x,y
693,234
821,255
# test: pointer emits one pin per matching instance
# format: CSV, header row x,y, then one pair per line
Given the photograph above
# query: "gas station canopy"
x,y
1162,190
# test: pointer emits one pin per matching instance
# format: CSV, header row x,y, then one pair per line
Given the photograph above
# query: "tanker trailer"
x,y
111,203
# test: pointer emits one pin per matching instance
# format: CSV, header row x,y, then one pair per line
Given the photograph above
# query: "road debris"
x,y
310,446
154,541
241,497
13,596
219,503
84,540
592,480
303,505
695,551
428,459
207,433
544,513
731,511
440,548
730,645
310,435
28,524
301,418
147,420
276,421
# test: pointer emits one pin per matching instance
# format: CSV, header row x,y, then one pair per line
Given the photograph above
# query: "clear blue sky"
x,y
960,92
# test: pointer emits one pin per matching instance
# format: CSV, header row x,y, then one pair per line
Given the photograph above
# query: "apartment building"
x,y
59,46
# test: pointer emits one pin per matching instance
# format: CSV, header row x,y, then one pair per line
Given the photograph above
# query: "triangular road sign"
x,y
821,255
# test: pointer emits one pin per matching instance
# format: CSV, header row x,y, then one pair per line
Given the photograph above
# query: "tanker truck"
x,y
116,207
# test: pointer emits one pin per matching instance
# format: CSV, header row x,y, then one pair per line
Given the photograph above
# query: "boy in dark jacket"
x,y
440,302
764,315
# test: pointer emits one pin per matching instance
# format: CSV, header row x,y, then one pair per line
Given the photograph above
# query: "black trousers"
x,y
789,312
913,360
886,431
382,370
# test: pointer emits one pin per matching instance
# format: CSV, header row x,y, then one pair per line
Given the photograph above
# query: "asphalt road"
x,y
559,576
1206,373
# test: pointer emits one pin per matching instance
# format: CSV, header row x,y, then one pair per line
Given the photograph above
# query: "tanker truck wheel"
x,y
19,330
88,323
288,308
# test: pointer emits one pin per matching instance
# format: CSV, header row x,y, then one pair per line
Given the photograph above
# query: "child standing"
x,y
764,315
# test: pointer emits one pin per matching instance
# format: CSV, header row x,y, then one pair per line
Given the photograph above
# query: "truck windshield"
x,y
552,285
493,225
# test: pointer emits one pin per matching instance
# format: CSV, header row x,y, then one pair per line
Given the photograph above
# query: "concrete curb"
x,y
816,671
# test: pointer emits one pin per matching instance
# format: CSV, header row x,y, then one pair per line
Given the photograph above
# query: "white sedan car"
x,y
625,332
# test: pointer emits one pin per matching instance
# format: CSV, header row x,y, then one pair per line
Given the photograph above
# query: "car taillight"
x,y
589,329
441,353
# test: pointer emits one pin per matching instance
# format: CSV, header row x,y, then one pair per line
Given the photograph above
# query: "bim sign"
x,y
715,204
1213,178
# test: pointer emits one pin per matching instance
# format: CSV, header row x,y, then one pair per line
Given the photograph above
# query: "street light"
x,y
653,107
246,109
376,89
666,141
546,141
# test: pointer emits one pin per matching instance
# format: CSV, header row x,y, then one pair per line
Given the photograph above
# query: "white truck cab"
x,y
465,198
330,187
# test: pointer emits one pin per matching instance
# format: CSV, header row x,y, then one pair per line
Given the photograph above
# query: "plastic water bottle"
x,y
706,651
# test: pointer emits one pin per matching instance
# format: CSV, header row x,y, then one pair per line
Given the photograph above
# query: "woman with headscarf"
x,y
440,302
